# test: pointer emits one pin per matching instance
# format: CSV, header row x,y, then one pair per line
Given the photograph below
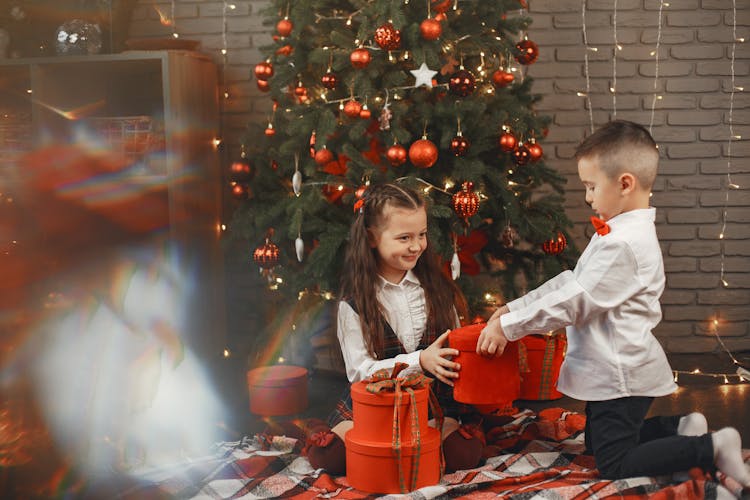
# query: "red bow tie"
x,y
601,227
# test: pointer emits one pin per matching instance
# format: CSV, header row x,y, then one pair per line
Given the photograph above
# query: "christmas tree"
x,y
432,93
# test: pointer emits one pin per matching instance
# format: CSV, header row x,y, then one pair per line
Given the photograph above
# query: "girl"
x,y
396,301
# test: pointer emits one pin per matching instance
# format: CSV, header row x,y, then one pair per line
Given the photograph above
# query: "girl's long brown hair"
x,y
360,277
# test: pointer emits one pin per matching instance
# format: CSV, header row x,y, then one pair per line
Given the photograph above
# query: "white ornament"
x,y
299,246
423,75
297,182
455,267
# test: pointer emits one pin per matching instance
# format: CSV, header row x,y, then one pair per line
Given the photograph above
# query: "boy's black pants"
x,y
627,444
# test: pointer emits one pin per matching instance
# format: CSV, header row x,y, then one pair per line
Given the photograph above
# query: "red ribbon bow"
x,y
388,380
601,227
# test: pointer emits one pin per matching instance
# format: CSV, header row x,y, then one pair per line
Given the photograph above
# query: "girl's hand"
x,y
436,359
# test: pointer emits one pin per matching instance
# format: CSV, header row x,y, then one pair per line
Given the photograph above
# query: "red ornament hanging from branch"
x,y
502,78
263,70
431,29
330,80
396,155
423,153
556,245
360,58
535,150
528,51
352,108
239,190
267,255
387,37
466,201
323,156
462,82
507,141
241,170
521,155
284,27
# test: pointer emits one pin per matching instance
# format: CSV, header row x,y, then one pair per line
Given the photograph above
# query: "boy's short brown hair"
x,y
622,146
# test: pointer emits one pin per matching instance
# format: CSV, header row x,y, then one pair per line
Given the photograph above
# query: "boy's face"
x,y
603,194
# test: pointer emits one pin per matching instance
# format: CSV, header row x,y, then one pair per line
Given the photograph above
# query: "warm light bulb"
x,y
226,353
581,94
224,51
232,6
697,370
281,359
175,35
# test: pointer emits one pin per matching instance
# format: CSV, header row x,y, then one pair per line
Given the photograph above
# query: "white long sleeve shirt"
x,y
405,309
609,304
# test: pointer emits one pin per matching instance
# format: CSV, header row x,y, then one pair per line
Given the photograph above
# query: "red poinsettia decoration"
x,y
468,247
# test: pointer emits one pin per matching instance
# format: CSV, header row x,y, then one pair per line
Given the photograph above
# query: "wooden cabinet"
x,y
104,150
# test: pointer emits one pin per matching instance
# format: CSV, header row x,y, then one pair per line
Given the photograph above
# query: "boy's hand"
x,y
499,312
436,360
492,340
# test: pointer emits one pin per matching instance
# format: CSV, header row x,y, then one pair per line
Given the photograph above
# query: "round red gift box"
x,y
484,380
277,390
373,413
373,466
544,356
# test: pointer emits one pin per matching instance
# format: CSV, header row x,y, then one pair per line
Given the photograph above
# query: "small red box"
x,y
483,380
544,356
372,466
373,413
277,390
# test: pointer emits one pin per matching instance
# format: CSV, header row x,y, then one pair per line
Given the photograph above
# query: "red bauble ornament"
x,y
466,201
284,27
240,191
460,145
330,80
440,16
462,83
264,70
270,131
263,85
556,245
528,51
360,192
431,29
502,78
266,255
352,108
365,113
507,142
423,153
388,37
521,155
535,150
300,90
240,170
360,58
396,155
323,156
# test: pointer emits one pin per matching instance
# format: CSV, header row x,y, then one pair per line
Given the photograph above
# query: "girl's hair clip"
x,y
360,205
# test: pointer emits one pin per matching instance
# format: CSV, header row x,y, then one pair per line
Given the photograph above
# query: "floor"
x,y
46,475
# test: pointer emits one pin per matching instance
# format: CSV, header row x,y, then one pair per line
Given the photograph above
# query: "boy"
x,y
609,304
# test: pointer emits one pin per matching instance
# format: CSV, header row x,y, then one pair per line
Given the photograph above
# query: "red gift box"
x,y
390,448
277,390
484,380
540,358
374,467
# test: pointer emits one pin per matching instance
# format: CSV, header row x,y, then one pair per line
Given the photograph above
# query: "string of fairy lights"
x,y
742,373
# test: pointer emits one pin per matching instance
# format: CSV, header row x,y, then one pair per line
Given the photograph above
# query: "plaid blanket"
x,y
540,460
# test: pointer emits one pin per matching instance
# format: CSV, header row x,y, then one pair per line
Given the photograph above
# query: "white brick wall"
x,y
690,123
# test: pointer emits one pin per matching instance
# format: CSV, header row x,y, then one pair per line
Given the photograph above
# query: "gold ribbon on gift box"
x,y
388,380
